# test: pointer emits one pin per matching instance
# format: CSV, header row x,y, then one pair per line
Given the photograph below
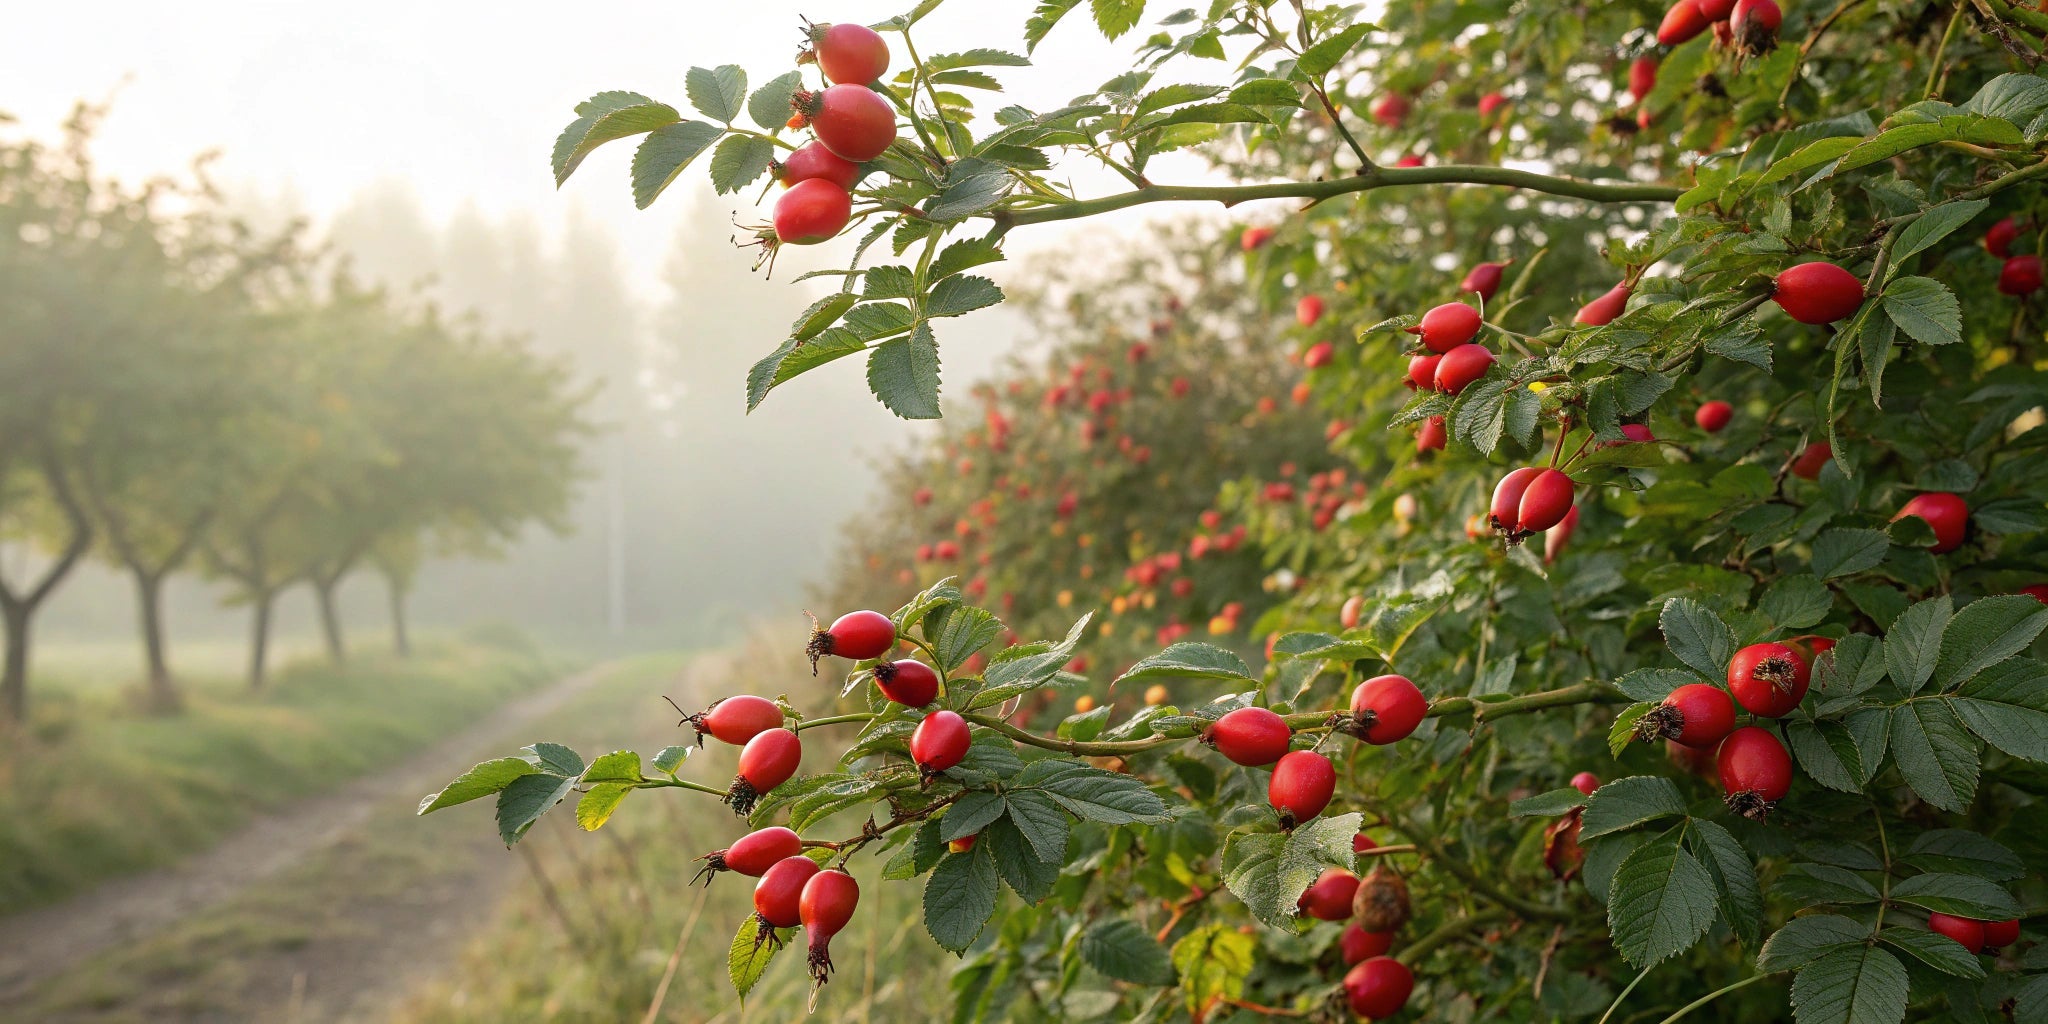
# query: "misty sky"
x,y
461,99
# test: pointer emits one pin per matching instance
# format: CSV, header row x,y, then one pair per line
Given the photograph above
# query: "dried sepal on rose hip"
x,y
855,636
1755,770
1696,715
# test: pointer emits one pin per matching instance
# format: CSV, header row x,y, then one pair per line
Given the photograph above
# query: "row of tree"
x,y
179,392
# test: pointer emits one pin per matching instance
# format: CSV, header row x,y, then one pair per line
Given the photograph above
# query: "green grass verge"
x,y
623,906
92,790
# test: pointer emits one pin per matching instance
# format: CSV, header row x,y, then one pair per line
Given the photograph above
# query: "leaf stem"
x,y
1711,996
1624,994
1443,934
1377,177
812,723
677,784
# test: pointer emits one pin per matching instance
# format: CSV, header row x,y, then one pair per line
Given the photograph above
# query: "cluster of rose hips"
x,y
1383,710
1768,680
1750,26
2019,275
850,123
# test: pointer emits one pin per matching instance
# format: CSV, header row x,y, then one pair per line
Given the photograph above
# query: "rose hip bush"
x,y
1752,347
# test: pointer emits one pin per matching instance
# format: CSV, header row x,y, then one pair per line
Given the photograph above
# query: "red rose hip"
x,y
1358,945
909,682
1755,770
767,761
754,853
1253,737
1303,782
1379,987
1447,326
1458,368
1817,293
1946,514
855,636
1329,899
813,160
940,742
1386,709
849,54
1713,417
850,120
1696,715
1768,680
1967,933
778,896
2021,275
736,720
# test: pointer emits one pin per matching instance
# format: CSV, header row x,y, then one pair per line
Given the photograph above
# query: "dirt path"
x,y
42,943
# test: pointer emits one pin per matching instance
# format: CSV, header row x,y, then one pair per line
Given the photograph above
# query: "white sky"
x,y
462,99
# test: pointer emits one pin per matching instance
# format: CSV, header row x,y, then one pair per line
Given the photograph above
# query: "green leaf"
x,y
1213,962
1925,309
739,161
1795,602
1626,803
1660,903
796,357
973,186
604,118
1735,888
1937,951
1851,986
1269,871
598,803
670,758
1806,939
1653,684
970,814
2007,705
664,154
964,255
821,314
1093,794
1116,17
617,766
1551,804
525,799
1854,666
769,106
1327,53
1874,344
1043,19
957,296
1914,642
718,92
1827,752
1041,822
1960,850
481,781
1841,552
557,759
1935,756
1028,667
1189,660
1935,224
748,955
1961,895
1697,636
1120,948
1028,874
976,58
904,374
1986,632
1623,730
960,633
1266,92
960,897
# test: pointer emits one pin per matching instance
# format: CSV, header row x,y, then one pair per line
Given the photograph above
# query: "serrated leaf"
x,y
965,255
1937,951
794,358
718,92
1913,643
1550,804
1986,632
1934,224
1654,684
1806,939
1935,756
1213,962
2007,705
1041,822
1827,753
960,897
973,186
1121,949
1735,887
1795,602
1697,636
617,766
769,106
904,374
1841,552
557,759
670,758
1851,986
481,781
598,803
957,296
1961,895
1660,902
1925,309
1963,851
525,799
1327,53
970,814
1626,803
1623,729
604,118
1188,660
746,959
1029,875
663,155
1116,17
1092,793
739,161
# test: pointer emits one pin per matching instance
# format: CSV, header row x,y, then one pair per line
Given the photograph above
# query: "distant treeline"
x,y
182,393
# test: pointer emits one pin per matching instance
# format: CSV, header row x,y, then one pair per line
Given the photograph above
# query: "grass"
x,y
92,790
624,907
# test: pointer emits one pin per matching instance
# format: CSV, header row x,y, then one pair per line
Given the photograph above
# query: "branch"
x,y
1445,933
1366,180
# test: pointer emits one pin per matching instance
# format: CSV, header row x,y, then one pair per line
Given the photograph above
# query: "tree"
x,y
1784,464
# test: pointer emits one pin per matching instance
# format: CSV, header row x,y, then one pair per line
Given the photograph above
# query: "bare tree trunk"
x,y
330,618
161,696
401,641
259,637
14,678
